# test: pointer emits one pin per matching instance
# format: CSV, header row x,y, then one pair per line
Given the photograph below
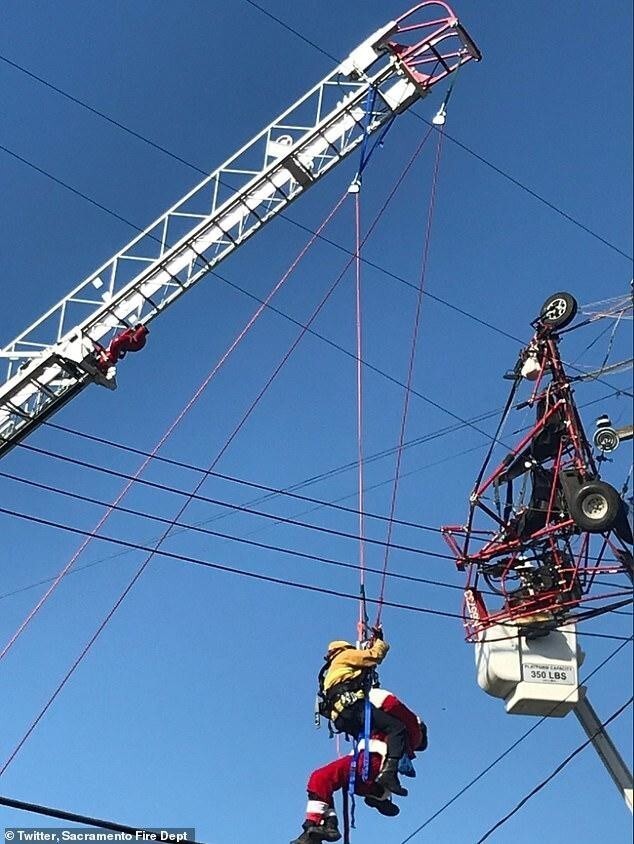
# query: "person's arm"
x,y
366,658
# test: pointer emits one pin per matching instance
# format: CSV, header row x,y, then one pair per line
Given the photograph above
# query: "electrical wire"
x,y
217,535
100,560
279,581
136,833
188,406
301,484
190,496
289,491
229,505
270,490
464,146
512,747
554,773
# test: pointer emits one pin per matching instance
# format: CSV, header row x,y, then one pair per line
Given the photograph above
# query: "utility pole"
x,y
604,746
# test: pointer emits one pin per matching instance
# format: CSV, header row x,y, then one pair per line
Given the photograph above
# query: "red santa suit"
x,y
325,781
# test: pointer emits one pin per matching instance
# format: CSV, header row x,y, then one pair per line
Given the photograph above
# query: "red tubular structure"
x,y
432,43
542,546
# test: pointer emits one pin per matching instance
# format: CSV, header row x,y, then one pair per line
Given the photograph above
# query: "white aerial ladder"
x,y
78,341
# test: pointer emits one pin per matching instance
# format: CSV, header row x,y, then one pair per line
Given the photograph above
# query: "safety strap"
x,y
367,724
352,779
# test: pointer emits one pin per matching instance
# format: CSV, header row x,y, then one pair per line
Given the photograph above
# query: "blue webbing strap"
x,y
363,160
352,779
379,141
367,725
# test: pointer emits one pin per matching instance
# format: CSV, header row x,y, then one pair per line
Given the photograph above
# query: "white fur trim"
x,y
376,746
379,696
316,807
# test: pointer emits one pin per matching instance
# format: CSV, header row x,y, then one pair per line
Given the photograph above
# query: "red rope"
x,y
257,313
410,372
198,485
206,474
361,631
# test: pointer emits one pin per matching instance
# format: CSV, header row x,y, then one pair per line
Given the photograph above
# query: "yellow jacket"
x,y
348,662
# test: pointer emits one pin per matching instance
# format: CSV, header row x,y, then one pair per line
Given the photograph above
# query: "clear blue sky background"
x,y
195,706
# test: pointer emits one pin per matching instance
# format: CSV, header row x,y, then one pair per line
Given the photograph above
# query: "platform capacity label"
x,y
550,673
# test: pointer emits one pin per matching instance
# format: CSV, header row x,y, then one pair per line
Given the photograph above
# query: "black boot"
x,y
331,826
304,838
314,833
388,778
384,806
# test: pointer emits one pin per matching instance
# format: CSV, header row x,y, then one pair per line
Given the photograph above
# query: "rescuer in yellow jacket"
x,y
344,682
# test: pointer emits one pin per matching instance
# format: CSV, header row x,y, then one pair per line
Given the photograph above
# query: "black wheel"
x,y
596,507
558,310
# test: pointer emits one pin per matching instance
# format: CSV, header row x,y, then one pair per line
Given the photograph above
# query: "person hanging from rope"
x,y
321,823
344,683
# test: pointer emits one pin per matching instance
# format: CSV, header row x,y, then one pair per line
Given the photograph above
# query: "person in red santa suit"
x,y
321,822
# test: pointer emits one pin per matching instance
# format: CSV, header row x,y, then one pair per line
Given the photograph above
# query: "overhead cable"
x,y
554,773
512,747
138,832
464,146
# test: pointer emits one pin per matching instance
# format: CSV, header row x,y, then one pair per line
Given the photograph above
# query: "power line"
x,y
557,770
242,540
512,747
464,147
73,817
374,265
227,504
425,398
272,491
279,581
77,569
306,482
204,172
294,31
218,502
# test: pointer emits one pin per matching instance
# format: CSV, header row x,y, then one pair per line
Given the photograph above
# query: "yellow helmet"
x,y
338,645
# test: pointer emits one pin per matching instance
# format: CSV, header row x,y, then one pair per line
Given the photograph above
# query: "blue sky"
x,y
195,706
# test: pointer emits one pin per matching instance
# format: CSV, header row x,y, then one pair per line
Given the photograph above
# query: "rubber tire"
x,y
562,317
600,491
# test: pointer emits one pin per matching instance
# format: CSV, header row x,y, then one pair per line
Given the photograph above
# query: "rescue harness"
x,y
330,703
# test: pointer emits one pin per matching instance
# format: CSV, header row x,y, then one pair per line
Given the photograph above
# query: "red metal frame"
x,y
536,560
432,44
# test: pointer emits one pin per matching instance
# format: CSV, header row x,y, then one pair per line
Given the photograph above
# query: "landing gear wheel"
x,y
596,507
558,310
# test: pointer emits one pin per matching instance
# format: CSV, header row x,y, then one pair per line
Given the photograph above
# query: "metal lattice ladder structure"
x,y
56,357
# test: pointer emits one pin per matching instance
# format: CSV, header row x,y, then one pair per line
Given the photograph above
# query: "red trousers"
x,y
334,776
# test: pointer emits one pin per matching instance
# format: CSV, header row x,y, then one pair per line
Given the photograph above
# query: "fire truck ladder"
x,y
63,351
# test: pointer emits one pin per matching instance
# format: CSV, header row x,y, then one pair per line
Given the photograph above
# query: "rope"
x,y
361,626
410,373
305,328
113,506
189,498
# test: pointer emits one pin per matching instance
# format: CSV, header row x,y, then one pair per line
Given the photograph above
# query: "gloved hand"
x,y
377,632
